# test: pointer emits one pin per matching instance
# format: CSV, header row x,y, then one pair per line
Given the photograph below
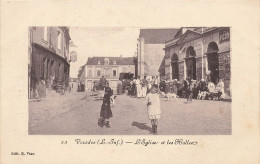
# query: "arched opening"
x,y
190,63
175,67
213,62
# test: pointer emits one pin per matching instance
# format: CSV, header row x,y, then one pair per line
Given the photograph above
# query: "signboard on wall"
x,y
73,56
224,35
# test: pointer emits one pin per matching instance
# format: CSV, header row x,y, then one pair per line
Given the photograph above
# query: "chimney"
x,y
121,56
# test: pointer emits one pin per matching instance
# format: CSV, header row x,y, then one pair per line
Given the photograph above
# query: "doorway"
x,y
190,63
213,62
175,67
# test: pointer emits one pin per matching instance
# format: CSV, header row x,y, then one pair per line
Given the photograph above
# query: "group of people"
x,y
81,87
195,87
170,86
39,87
141,87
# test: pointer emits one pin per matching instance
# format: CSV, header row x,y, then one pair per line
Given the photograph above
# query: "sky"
x,y
101,41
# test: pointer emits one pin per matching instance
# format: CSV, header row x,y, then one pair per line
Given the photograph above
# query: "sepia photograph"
x,y
129,81
97,81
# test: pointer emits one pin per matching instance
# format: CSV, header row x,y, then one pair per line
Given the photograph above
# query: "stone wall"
x,y
153,56
225,70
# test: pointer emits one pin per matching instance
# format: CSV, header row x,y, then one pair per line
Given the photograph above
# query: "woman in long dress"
x,y
138,87
106,111
153,107
211,89
175,87
149,86
220,88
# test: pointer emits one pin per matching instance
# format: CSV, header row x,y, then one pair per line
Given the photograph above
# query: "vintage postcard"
x,y
96,81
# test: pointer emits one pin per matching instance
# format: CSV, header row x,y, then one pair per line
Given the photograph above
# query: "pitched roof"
x,y
197,34
180,31
180,36
119,60
157,36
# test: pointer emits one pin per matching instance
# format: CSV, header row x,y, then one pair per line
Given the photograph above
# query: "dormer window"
x,y
114,62
98,62
106,60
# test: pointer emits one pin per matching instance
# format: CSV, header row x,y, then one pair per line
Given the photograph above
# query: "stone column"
x,y
139,56
142,57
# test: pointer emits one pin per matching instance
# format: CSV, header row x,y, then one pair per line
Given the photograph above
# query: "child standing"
x,y
153,107
106,111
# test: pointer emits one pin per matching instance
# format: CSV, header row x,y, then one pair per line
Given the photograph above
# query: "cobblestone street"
x,y
53,105
77,113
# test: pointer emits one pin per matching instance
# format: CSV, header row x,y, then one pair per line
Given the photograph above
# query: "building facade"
x,y
195,51
48,56
109,67
150,53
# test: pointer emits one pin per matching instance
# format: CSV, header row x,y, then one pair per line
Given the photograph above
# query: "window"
x,y
106,60
45,33
98,62
114,62
90,73
114,73
98,72
59,40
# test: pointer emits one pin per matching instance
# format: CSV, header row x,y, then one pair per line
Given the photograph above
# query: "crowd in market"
x,y
141,87
198,89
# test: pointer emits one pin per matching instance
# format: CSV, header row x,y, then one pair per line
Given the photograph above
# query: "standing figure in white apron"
x,y
153,107
138,87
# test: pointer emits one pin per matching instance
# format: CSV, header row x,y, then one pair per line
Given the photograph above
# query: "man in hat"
x,y
144,86
103,82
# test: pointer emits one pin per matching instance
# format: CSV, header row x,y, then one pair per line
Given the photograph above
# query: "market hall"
x,y
199,53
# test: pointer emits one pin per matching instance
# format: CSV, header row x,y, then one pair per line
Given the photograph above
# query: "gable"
x,y
189,35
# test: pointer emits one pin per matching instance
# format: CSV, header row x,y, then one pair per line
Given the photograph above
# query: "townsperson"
x,y
103,82
144,86
153,107
106,112
138,87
